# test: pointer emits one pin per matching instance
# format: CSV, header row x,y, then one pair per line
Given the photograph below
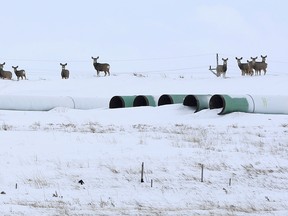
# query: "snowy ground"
x,y
45,154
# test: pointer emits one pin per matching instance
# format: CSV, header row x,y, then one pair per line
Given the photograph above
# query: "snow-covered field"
x,y
44,155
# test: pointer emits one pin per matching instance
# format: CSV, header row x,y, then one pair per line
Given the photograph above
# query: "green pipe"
x,y
199,102
171,99
144,100
121,101
230,103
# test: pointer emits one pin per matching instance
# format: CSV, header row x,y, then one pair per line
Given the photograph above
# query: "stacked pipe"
x,y
273,104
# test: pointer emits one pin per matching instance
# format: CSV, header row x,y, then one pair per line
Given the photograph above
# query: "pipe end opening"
x,y
216,102
164,100
116,102
140,100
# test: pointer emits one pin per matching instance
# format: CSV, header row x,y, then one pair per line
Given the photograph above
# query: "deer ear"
x,y
65,64
92,57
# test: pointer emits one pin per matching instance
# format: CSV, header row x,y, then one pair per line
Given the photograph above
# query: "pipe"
x,y
144,100
250,104
85,103
46,103
229,103
121,101
170,99
199,102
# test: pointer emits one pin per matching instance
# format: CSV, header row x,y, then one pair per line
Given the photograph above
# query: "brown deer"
x,y
245,68
19,73
64,72
259,66
221,69
5,74
101,66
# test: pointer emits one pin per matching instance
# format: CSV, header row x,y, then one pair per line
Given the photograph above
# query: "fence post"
x,y
202,170
142,173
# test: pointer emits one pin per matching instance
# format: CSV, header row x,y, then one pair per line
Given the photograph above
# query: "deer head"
x,y
263,58
95,59
63,65
1,65
225,60
254,59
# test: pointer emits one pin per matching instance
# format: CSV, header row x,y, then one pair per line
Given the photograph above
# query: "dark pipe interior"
x,y
116,102
140,100
216,101
165,99
190,100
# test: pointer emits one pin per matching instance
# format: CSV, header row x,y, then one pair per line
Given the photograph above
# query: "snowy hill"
x,y
44,154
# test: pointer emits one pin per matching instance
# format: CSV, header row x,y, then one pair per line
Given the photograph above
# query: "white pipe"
x,y
45,103
274,104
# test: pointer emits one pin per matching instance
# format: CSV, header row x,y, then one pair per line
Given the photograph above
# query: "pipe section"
x,y
229,103
121,101
46,103
199,102
250,103
144,100
170,99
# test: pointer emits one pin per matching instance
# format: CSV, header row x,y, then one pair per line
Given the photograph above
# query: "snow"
x,y
44,154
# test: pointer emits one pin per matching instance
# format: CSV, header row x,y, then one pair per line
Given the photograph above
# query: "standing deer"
x,y
259,66
19,73
101,66
250,63
221,69
64,72
245,68
5,74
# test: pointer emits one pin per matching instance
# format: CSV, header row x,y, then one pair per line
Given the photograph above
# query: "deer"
x,y
5,74
19,73
101,66
259,66
245,68
64,72
221,69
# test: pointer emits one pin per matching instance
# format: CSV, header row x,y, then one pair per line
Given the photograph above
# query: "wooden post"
x,y
16,186
217,63
230,181
142,173
202,170
151,183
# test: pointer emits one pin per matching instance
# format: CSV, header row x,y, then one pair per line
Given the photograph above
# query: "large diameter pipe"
x,y
46,103
277,104
198,102
121,101
170,99
228,103
250,103
144,100
34,103
89,102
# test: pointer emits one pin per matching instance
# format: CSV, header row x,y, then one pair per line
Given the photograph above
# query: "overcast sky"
x,y
139,36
